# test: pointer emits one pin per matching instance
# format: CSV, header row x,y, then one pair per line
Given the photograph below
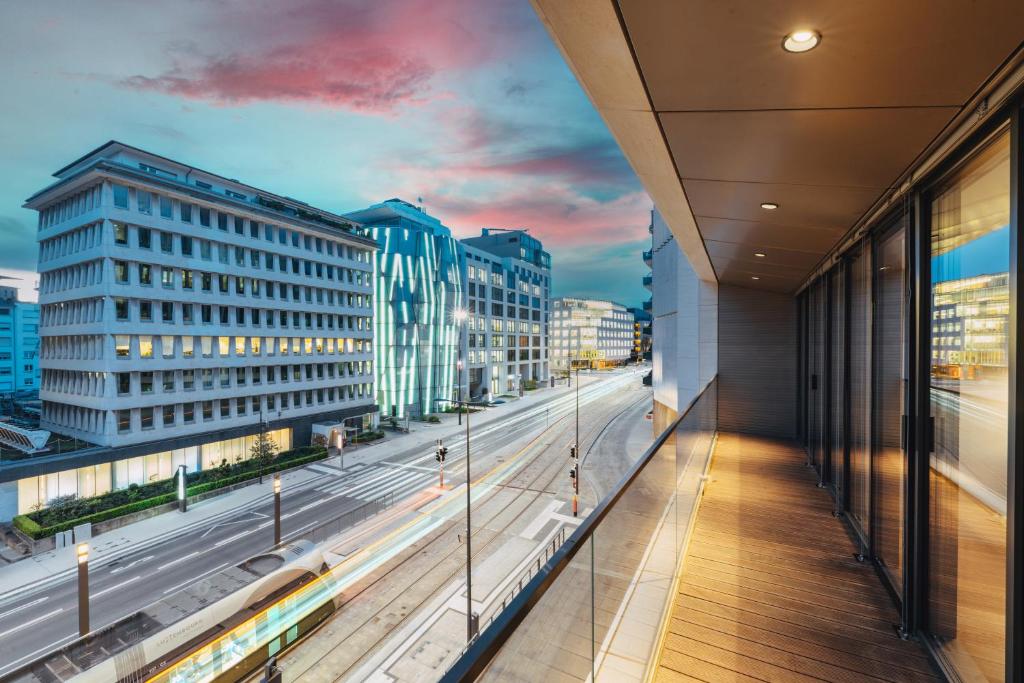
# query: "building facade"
x,y
589,333
418,287
180,310
508,302
19,344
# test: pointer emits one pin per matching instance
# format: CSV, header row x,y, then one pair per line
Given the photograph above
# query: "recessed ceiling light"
x,y
771,206
759,254
754,277
801,41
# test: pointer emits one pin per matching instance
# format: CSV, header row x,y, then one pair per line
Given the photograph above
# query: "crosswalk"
x,y
376,480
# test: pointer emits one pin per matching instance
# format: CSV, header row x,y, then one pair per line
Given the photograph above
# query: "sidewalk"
x,y
36,572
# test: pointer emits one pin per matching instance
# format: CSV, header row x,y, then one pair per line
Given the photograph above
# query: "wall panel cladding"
x,y
757,374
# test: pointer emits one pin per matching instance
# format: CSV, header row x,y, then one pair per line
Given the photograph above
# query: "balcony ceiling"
x,y
717,118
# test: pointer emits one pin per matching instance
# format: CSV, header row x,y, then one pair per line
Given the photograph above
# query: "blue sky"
x,y
339,103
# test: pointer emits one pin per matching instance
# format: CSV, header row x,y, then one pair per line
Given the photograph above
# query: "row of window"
x,y
510,355
141,310
184,245
171,415
146,202
171,346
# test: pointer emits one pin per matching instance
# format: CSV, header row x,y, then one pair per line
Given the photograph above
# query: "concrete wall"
x,y
756,362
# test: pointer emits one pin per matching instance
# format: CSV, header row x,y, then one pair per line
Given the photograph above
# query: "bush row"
x,y
71,513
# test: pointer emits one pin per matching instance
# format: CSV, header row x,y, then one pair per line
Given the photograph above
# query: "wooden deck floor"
x,y
770,590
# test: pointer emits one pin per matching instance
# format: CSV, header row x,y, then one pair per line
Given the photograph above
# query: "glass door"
x,y
858,477
837,371
890,385
969,394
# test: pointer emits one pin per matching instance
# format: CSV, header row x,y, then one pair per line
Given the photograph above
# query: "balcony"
x,y
748,575
649,282
648,305
648,257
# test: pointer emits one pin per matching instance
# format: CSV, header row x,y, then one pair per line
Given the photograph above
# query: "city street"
x,y
44,617
407,621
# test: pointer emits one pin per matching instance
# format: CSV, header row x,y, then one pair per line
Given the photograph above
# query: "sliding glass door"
x,y
970,243
890,387
858,478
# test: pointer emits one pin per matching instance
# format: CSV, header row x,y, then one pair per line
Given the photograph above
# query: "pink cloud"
x,y
359,56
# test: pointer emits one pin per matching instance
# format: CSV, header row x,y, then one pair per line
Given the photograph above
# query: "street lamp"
x,y
82,552
277,509
460,315
182,497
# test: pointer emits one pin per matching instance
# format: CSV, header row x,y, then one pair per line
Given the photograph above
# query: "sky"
x,y
340,103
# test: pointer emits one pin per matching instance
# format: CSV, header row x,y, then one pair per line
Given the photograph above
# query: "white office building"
x,y
179,309
589,333
508,299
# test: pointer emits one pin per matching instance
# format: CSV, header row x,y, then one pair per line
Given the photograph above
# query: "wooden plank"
x,y
770,590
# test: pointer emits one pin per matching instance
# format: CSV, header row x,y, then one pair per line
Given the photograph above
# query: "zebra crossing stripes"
x,y
375,481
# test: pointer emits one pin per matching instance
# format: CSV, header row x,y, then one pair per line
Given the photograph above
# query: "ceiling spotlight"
x,y
760,254
754,277
801,41
770,206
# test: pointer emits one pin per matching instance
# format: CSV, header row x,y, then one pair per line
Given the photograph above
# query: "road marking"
x,y
323,469
303,528
46,648
131,564
195,578
31,621
230,539
178,561
21,607
114,588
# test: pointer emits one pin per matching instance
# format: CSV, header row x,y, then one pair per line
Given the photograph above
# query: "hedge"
x,y
158,493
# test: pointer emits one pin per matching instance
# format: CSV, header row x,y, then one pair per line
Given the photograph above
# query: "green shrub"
x,y
68,511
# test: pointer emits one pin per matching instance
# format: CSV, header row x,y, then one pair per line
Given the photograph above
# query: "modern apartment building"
x,y
418,287
508,300
19,344
837,485
589,333
179,311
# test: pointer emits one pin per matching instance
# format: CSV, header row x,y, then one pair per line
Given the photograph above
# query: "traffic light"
x,y
440,452
572,452
572,472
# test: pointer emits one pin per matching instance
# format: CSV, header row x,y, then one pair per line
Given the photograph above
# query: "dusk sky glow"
x,y
341,104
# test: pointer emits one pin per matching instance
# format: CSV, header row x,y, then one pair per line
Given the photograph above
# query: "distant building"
x,y
641,335
589,333
508,288
418,287
19,344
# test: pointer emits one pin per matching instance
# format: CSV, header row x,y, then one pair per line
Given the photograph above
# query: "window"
x,y
146,311
186,212
120,196
188,346
225,408
124,417
145,238
167,311
239,225
166,207
121,345
207,410
124,383
168,380
121,272
145,274
222,221
205,250
206,280
207,378
225,378
167,344
145,201
145,346
240,377
186,279
239,406
146,418
206,344
120,234
146,382
204,217
167,277
188,413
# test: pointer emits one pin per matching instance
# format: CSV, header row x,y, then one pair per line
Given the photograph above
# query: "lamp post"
x,y
82,552
459,315
277,509
470,620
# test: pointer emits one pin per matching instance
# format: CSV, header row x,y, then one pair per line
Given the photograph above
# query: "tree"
x,y
263,451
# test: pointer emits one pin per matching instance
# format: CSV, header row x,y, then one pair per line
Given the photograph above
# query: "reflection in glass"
x,y
890,380
859,480
970,244
817,372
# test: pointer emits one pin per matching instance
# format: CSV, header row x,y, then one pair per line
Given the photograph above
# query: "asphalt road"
x,y
37,621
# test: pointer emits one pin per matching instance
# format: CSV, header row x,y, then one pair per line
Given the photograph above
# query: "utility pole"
x,y
82,552
574,479
277,509
470,616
